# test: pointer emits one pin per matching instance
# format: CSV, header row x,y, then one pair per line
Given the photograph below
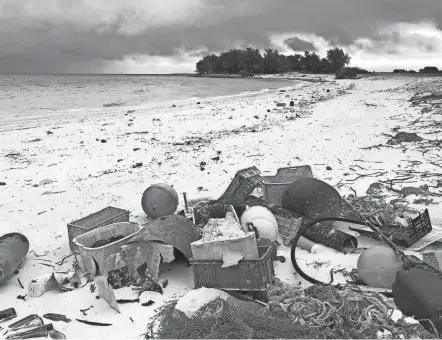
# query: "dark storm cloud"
x,y
61,35
297,44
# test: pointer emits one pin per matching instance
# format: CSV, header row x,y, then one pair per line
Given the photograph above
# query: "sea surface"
x,y
24,97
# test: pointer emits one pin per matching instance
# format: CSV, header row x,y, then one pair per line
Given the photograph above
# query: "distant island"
x,y
248,62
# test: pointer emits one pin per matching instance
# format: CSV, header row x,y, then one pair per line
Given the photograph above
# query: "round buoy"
x,y
312,198
378,267
159,200
263,220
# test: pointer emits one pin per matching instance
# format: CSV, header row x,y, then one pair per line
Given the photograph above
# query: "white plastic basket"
x,y
93,257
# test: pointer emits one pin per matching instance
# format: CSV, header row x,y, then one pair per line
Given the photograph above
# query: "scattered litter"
x,y
13,250
85,310
93,323
57,317
32,320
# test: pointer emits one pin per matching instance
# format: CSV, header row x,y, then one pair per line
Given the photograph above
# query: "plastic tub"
x,y
94,259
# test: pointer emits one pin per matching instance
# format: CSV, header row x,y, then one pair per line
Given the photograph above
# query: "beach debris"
x,y
124,301
174,230
22,297
137,165
136,149
57,317
2,183
378,266
106,292
37,332
84,311
49,132
92,287
7,314
148,303
13,250
32,320
328,168
404,137
262,221
159,200
130,111
54,334
93,323
292,103
165,283
63,282
281,104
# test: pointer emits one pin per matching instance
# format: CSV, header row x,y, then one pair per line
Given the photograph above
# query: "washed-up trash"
x,y
93,258
93,323
263,221
308,245
247,275
63,282
54,334
403,236
136,254
106,292
378,266
418,293
13,250
7,314
312,198
243,184
56,317
274,187
32,320
224,239
289,224
159,200
173,230
96,220
37,332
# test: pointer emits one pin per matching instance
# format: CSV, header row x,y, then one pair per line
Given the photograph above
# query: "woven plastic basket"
x,y
243,184
288,227
293,173
96,220
248,275
94,259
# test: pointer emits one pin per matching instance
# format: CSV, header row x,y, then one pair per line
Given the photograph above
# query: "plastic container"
x,y
94,259
293,173
263,220
248,275
96,220
215,250
274,187
288,227
13,250
243,184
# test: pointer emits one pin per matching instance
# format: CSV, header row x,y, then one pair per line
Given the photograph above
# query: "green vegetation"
x,y
250,61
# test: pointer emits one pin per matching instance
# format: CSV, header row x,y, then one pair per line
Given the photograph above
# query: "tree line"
x,y
250,61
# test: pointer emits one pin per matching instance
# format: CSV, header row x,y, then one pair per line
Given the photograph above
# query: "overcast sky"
x,y
168,36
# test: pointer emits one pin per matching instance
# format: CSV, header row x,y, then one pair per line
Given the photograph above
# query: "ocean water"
x,y
24,97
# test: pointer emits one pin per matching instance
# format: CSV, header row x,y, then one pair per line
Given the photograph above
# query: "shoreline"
x,y
57,178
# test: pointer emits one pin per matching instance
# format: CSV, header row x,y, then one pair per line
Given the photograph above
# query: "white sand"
x,y
68,174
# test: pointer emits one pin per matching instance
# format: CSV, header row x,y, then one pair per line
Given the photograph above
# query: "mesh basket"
x,y
94,259
288,227
243,184
291,174
248,275
99,219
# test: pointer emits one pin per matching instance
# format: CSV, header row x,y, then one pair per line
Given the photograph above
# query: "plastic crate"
x,y
243,184
288,227
248,275
93,257
96,220
274,187
293,173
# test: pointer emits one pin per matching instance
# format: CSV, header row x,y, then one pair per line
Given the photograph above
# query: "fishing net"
x,y
292,312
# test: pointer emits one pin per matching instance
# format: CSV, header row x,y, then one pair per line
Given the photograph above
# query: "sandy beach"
x,y
58,171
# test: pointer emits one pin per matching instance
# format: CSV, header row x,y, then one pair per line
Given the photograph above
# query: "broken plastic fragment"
x,y
231,259
32,320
